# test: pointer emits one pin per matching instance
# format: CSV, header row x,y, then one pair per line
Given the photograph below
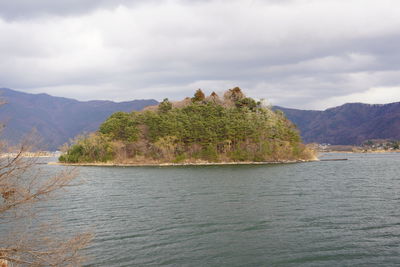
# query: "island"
x,y
231,129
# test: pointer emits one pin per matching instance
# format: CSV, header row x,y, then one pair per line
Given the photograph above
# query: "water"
x,y
333,213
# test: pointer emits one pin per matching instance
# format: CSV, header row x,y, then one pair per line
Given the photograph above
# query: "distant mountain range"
x,y
58,119
55,119
349,124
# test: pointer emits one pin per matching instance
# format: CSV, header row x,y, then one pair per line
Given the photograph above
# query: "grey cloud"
x,y
283,51
25,9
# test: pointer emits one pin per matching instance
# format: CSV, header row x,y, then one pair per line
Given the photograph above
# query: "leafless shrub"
x,y
22,184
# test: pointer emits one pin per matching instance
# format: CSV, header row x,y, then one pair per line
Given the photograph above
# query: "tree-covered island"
x,y
231,128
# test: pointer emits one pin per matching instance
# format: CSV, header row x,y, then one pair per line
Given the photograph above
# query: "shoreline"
x,y
105,164
360,152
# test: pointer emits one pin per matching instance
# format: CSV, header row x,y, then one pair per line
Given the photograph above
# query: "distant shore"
x,y
40,154
361,152
111,164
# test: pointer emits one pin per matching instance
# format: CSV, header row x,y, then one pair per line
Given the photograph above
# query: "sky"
x,y
309,54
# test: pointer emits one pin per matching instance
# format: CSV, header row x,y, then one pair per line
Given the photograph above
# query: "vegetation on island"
x,y
232,128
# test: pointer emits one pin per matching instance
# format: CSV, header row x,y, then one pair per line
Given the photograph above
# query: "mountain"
x,y
349,124
58,119
55,119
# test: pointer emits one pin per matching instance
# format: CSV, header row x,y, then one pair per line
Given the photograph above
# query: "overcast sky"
x,y
311,54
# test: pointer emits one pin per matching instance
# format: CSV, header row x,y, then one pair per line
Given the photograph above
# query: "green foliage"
x,y
92,148
246,102
120,126
206,130
240,155
165,106
179,158
209,153
396,145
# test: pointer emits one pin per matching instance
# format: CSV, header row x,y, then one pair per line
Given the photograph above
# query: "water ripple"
x,y
316,214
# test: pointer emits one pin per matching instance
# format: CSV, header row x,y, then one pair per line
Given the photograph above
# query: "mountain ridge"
x,y
348,124
56,119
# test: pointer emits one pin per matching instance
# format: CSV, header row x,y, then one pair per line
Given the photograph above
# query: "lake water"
x,y
333,213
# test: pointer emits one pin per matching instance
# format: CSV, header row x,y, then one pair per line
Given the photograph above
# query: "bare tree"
x,y
22,184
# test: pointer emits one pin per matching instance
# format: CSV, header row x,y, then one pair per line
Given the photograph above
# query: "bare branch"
x,y
22,184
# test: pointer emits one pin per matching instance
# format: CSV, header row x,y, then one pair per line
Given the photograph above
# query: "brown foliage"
x,y
198,96
22,184
234,94
214,98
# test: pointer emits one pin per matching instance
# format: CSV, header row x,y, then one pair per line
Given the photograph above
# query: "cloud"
x,y
376,95
296,53
27,9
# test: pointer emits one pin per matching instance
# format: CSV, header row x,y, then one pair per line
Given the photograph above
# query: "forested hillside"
x,y
55,119
58,119
349,124
213,129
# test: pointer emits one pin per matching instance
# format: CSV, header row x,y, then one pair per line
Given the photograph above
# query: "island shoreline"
x,y
104,164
